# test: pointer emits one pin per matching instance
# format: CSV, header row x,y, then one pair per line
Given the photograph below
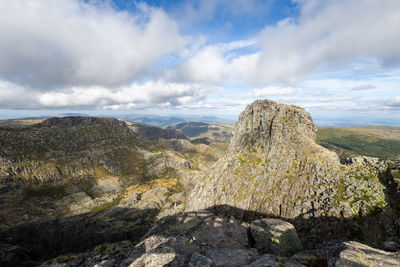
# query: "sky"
x,y
339,59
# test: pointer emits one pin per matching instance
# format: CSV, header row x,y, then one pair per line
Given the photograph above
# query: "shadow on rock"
x,y
219,236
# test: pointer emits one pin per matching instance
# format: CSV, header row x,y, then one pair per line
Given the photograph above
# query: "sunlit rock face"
x,y
274,166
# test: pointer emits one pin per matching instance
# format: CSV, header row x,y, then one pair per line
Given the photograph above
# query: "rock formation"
x,y
274,167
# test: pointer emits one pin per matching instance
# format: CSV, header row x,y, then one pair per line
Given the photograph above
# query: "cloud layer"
x,y
59,43
155,94
326,35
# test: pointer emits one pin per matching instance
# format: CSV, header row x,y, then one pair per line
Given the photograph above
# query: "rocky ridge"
x,y
155,133
72,165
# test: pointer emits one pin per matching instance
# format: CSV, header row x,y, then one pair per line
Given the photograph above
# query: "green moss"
x,y
107,205
362,177
100,172
340,196
179,187
396,174
188,224
189,244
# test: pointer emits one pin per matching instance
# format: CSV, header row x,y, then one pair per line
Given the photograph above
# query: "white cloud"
x,y
334,98
46,44
390,103
271,91
363,87
328,34
208,65
15,96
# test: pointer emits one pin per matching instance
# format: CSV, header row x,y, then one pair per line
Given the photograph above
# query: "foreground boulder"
x,y
275,236
204,239
198,238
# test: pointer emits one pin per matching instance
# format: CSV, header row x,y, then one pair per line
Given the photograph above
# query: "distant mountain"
x,y
154,133
162,121
154,120
204,132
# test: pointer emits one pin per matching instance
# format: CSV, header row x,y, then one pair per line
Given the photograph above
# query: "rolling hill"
x,y
375,141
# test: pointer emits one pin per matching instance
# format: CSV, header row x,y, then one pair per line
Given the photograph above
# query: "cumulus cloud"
x,y
86,54
59,43
334,98
14,96
391,104
208,65
270,91
328,34
217,63
150,94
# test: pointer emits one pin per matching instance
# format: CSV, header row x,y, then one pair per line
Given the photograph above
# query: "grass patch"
x,y
396,174
100,172
107,205
141,188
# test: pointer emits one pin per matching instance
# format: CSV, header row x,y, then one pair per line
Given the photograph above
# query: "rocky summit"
x,y
273,167
80,191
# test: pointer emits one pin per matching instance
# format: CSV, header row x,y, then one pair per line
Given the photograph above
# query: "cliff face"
x,y
273,166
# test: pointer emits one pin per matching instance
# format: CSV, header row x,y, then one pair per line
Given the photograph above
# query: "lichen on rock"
x,y
273,166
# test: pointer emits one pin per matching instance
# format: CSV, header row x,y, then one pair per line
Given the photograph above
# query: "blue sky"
x,y
337,58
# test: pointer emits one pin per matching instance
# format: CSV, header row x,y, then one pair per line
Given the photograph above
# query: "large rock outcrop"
x,y
274,167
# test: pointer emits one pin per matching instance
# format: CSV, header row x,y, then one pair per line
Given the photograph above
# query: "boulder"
x,y
228,257
314,257
198,260
354,254
274,261
162,258
275,236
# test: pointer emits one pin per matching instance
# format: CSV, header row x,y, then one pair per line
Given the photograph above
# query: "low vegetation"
x,y
366,141
52,191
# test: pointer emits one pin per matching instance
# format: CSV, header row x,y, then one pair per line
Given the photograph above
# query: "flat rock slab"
x,y
274,261
354,254
228,257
